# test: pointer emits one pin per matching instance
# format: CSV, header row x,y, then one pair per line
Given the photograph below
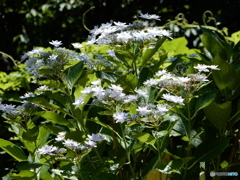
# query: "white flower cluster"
x,y
205,68
71,144
163,78
52,60
21,110
120,32
112,93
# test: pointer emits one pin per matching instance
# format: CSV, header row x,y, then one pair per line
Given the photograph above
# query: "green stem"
x,y
127,152
188,135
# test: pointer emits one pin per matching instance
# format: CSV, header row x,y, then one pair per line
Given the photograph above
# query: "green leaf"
x,y
24,174
25,165
43,102
72,74
150,51
128,82
173,166
216,45
210,149
107,76
55,118
219,114
226,76
145,138
31,134
204,101
178,46
13,150
42,136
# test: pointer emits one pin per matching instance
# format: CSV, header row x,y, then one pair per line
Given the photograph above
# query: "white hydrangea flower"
x,y
87,90
9,109
141,93
47,149
77,45
130,98
91,144
27,95
97,82
98,91
120,117
53,57
202,68
149,16
78,102
143,111
60,136
175,99
96,137
71,144
56,43
161,109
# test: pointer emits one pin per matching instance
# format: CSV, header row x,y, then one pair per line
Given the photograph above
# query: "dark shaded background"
x,y
28,23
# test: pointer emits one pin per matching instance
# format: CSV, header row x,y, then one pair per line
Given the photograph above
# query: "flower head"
x,y
149,16
47,149
143,111
78,102
56,43
175,99
120,117
96,137
71,144
77,45
60,136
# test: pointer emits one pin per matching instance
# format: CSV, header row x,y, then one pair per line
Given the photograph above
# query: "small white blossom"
x,y
9,109
161,72
98,91
47,149
141,93
77,45
87,90
42,88
95,137
124,37
78,102
120,117
198,77
91,144
53,57
130,98
175,99
116,88
149,16
202,68
213,67
161,109
143,111
60,136
71,144
27,95
56,43
97,82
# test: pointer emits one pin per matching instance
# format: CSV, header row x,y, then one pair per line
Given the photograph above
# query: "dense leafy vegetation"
x,y
130,101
